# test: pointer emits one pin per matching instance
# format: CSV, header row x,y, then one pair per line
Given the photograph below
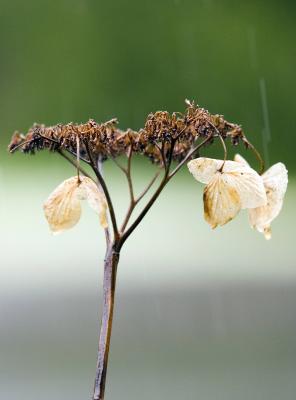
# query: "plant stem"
x,y
102,182
110,270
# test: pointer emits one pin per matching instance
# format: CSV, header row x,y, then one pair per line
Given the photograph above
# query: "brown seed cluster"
x,y
164,135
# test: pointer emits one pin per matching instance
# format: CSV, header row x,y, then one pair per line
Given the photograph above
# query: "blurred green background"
x,y
200,314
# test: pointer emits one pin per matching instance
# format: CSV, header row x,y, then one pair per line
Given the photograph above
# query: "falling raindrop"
x,y
266,133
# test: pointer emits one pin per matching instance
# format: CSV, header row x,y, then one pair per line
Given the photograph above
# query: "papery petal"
x,y
276,177
221,201
238,158
95,198
203,169
275,181
62,209
246,181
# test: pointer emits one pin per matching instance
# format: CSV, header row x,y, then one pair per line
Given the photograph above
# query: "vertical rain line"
x,y
266,133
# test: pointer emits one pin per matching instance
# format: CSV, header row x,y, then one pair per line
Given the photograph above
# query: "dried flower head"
x,y
165,136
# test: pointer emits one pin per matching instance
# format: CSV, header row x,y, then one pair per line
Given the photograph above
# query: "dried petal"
x,y
63,209
96,199
247,182
275,181
231,186
244,179
238,158
221,201
203,169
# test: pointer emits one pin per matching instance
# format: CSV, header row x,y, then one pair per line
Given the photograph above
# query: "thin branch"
x,y
128,174
117,164
105,190
162,184
143,213
50,140
75,154
224,148
222,142
257,154
74,163
189,154
127,216
20,145
161,151
107,229
133,205
148,187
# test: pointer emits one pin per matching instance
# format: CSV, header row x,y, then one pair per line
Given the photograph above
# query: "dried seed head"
x,y
105,140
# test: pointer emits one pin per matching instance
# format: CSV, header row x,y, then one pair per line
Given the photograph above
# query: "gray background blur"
x,y
200,314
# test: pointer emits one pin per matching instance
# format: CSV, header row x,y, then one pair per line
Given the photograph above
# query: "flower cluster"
x,y
234,185
164,136
230,185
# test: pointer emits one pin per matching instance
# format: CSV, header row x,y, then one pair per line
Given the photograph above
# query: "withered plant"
x,y
168,140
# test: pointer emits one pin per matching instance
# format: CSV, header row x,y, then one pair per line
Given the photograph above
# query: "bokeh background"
x,y
200,314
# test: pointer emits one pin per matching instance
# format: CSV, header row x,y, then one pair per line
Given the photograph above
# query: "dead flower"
x,y
231,186
63,209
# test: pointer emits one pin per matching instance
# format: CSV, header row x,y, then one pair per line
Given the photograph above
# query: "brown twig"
x,y
162,184
139,198
107,229
189,154
74,163
105,190
257,154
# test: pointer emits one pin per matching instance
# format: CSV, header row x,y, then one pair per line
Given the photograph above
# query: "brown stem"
x,y
128,174
105,190
74,163
142,214
147,187
107,229
110,269
258,156
134,202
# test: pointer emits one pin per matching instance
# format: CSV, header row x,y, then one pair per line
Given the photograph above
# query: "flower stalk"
x,y
109,284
